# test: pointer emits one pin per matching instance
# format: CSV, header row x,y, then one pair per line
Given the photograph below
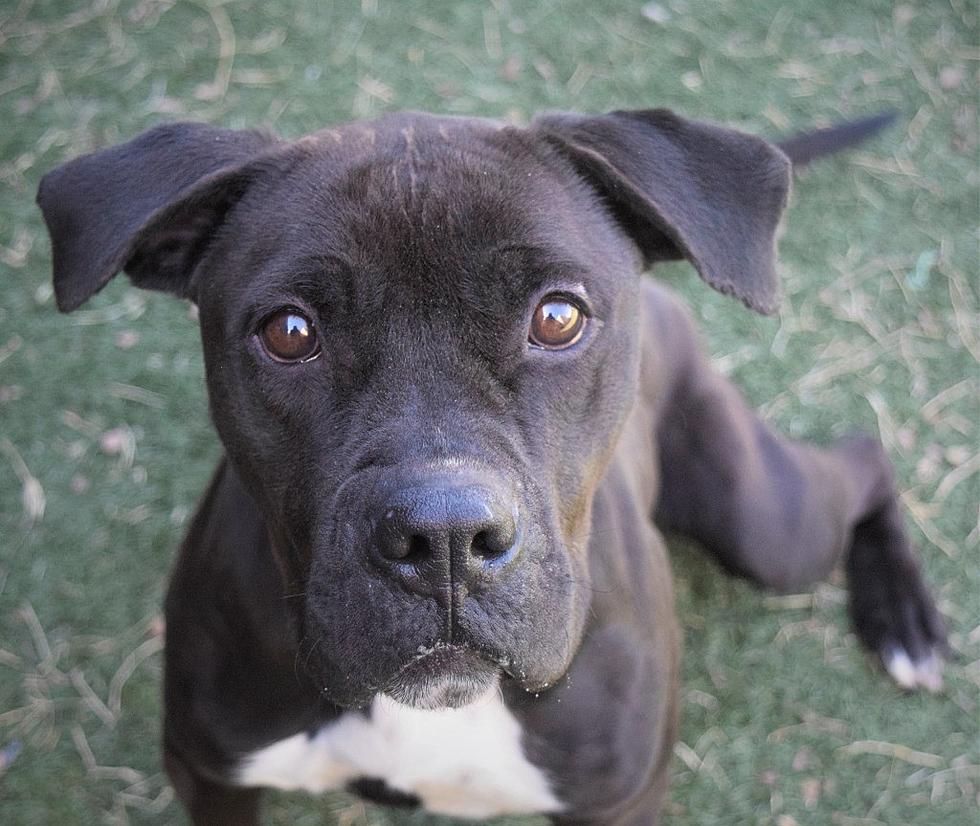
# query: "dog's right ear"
x,y
148,207
684,189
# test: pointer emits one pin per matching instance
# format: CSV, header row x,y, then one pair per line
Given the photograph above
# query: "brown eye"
x,y
288,335
557,323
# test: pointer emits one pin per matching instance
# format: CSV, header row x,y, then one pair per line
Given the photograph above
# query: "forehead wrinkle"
x,y
315,277
456,247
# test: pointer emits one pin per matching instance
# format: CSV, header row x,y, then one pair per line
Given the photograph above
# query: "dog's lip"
x,y
443,676
510,667
507,666
443,657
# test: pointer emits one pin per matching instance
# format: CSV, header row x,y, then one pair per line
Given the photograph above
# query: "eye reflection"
x,y
557,323
289,336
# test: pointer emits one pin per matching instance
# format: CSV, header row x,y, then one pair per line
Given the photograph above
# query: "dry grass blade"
x,y
9,659
41,645
129,665
147,805
965,315
687,756
32,494
957,475
921,514
12,345
811,723
124,773
932,408
91,700
137,394
217,88
893,750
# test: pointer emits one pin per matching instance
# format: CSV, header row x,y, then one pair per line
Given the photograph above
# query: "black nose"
x,y
441,532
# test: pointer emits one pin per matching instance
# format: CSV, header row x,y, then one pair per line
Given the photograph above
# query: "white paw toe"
x,y
929,673
925,673
898,664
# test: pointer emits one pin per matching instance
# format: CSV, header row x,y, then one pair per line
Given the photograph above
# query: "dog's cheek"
x,y
267,421
533,620
358,630
580,418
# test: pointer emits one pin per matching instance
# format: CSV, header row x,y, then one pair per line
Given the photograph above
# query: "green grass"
x,y
784,721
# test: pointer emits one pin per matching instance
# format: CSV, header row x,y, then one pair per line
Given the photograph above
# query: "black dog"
x,y
428,569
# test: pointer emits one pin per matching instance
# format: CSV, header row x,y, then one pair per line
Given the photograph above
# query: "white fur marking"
x,y
910,674
898,664
930,674
465,762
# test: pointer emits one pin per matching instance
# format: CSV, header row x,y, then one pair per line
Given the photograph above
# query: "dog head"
x,y
421,339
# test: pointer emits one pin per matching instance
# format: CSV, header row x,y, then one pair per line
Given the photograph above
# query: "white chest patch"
x,y
465,762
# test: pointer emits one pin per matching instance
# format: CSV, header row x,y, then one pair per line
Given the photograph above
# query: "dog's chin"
x,y
448,676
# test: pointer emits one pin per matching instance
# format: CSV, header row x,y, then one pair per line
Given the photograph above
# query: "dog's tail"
x,y
808,146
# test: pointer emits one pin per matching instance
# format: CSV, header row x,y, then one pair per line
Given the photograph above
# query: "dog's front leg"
x,y
210,803
782,513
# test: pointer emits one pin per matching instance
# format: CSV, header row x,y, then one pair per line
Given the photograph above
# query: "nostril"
x,y
486,546
398,542
411,550
492,543
419,549
481,547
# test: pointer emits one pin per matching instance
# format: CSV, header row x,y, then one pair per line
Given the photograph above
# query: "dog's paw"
x,y
893,612
910,675
896,619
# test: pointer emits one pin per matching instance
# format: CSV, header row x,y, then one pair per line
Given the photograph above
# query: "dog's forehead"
x,y
422,196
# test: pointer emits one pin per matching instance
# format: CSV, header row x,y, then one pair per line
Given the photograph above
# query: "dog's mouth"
x,y
444,676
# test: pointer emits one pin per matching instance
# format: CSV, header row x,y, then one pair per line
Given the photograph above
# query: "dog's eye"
x,y
288,335
557,323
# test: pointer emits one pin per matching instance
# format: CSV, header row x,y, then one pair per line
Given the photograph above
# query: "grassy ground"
x,y
105,445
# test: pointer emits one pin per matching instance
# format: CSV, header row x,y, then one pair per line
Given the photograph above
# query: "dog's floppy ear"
x,y
684,189
147,207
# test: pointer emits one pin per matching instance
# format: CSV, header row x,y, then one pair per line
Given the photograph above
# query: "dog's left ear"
x,y
684,189
148,206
